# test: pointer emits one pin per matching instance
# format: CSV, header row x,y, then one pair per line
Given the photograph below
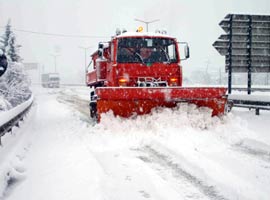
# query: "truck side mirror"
x,y
187,52
2,70
100,46
100,53
184,50
100,49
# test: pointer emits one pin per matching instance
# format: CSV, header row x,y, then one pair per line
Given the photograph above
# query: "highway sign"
x,y
245,44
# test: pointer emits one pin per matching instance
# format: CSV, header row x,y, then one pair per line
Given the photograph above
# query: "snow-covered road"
x,y
59,153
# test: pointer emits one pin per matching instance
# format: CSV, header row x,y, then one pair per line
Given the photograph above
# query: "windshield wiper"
x,y
135,53
138,55
166,54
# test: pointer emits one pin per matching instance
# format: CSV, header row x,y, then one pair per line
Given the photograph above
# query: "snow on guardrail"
x,y
253,97
6,116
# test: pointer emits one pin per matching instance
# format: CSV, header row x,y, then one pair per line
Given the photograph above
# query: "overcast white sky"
x,y
193,21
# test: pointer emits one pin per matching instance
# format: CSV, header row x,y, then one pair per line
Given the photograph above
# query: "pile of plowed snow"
x,y
184,115
178,124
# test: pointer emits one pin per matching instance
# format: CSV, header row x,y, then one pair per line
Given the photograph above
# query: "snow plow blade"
x,y
127,101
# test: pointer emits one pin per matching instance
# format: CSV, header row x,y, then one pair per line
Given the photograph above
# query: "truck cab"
x,y
136,60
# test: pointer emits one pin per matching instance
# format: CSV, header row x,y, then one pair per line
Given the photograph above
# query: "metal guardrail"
x,y
65,84
7,126
252,89
257,101
257,108
257,105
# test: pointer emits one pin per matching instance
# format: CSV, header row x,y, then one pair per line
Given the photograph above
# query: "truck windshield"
x,y
54,78
146,50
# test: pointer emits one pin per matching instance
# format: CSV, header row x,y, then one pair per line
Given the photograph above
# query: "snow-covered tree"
x,y
9,46
6,37
14,84
13,49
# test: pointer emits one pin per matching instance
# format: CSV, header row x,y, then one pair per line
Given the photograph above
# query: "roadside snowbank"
x,y
14,148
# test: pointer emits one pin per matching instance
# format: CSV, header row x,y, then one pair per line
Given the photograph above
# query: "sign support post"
x,y
246,45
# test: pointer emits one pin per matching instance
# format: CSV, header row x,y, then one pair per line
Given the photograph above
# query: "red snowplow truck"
x,y
135,72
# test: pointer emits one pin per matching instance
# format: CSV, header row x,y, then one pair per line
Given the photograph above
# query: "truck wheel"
x,y
229,106
93,110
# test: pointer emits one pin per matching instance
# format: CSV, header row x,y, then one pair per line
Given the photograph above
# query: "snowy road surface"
x,y
58,153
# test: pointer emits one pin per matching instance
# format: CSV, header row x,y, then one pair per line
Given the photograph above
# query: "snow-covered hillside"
x,y
58,153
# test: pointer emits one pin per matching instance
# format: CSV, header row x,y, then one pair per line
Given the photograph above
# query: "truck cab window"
x,y
146,50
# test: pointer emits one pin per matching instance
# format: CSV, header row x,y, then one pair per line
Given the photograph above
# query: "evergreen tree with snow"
x,y
9,46
6,37
14,84
13,49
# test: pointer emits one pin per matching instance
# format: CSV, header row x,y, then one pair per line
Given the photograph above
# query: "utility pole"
x,y
55,56
207,77
85,58
207,65
147,22
220,78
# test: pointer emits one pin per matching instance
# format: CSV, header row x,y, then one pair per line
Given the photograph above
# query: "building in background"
x,y
33,71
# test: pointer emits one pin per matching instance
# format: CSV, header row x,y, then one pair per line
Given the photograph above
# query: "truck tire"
x,y
93,110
